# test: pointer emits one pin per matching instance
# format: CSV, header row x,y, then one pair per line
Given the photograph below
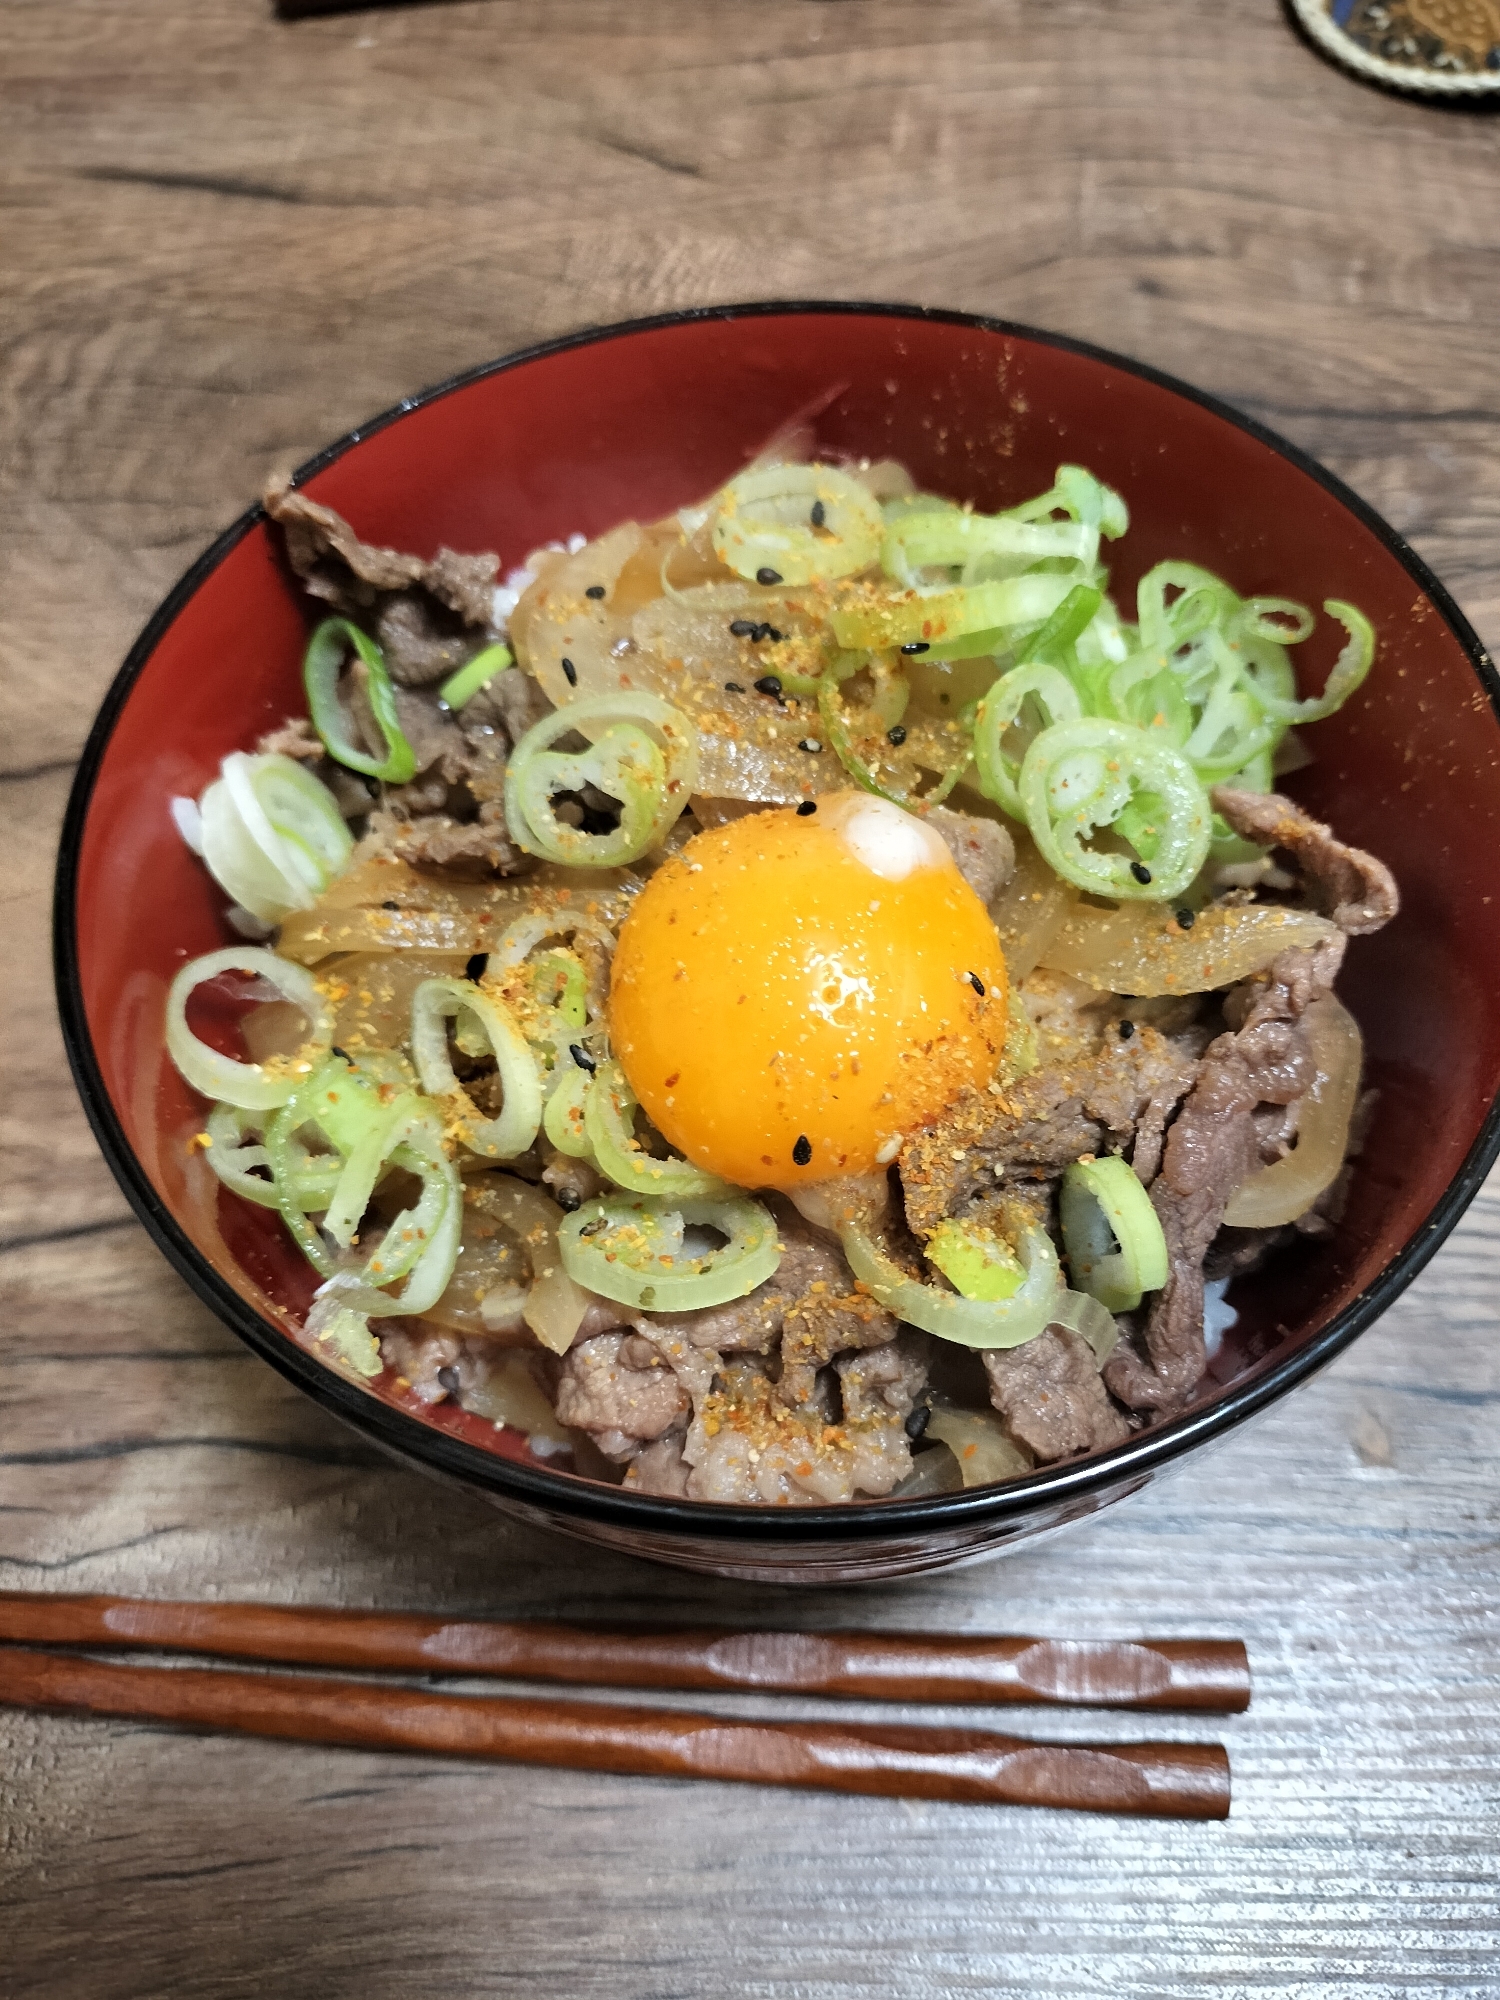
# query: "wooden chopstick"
x,y
1202,1674
1167,1780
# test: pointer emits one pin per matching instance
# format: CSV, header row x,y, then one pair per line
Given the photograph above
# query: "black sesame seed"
x,y
769,632
742,628
343,1055
569,1200
819,514
570,673
733,687
1140,871
807,806
582,1057
768,684
918,1421
802,1151
977,983
1185,920
390,906
768,576
448,1379
1127,1029
595,590
812,745
916,646
475,967
896,734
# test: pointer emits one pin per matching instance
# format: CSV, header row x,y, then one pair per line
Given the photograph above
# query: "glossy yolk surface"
x,y
788,979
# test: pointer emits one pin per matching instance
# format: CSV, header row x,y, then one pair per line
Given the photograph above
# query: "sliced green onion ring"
x,y
1087,498
1349,670
643,752
1116,1249
609,1121
363,1116
1053,640
1080,776
272,834
631,1249
563,1119
486,666
520,939
433,1005
982,1323
346,1100
808,523
1279,619
1056,697
841,740
1142,691
927,538
252,1086
420,1245
235,1152
1232,725
321,667
944,619
563,972
980,1265
285,807
1203,600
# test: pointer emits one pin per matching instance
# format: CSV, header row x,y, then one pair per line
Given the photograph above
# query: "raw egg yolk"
x,y
792,995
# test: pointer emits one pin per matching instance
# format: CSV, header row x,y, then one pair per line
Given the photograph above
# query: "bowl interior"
x,y
579,438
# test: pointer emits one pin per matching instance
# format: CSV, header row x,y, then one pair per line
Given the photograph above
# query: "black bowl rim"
x,y
565,1495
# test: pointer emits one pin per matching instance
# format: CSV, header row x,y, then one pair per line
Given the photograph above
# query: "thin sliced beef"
x,y
660,1468
1052,1399
430,617
619,1389
436,739
811,1306
573,1181
512,702
984,851
420,646
297,739
1358,892
437,840
422,1356
1021,1142
466,584
1211,1148
330,558
881,1384
823,1323
746,1445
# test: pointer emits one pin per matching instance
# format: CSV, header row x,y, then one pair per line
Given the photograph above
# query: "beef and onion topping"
x,y
798,1002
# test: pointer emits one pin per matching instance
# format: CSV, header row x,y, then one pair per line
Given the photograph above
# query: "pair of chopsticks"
x,y
1175,1780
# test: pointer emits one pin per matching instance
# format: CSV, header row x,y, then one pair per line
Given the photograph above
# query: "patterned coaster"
x,y
1442,48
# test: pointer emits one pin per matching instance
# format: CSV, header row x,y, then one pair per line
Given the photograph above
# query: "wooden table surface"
x,y
226,240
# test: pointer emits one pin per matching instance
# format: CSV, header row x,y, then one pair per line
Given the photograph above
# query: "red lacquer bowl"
x,y
637,420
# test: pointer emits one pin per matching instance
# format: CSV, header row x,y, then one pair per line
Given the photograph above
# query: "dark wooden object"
x,y
1207,1674
968,1766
